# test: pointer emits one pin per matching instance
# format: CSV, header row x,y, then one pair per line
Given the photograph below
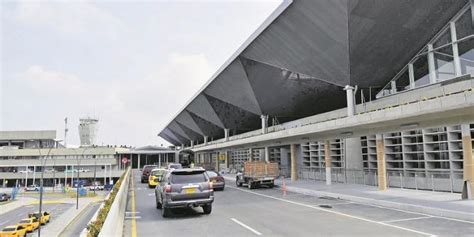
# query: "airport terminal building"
x,y
368,92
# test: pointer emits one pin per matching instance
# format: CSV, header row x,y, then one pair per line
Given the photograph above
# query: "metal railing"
x,y
444,181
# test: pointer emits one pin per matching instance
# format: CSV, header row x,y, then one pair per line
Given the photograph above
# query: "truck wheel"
x,y
237,183
165,212
250,184
207,209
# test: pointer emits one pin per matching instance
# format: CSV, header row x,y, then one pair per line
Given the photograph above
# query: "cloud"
x,y
71,18
130,112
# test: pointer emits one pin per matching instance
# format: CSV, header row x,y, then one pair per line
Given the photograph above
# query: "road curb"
x,y
382,203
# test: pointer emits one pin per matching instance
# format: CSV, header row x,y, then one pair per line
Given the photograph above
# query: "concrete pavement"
x,y
243,212
81,221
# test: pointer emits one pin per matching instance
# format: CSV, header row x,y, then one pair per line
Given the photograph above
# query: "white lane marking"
x,y
408,219
151,194
335,212
246,226
132,217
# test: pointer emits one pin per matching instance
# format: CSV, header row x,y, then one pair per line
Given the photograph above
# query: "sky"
x,y
131,64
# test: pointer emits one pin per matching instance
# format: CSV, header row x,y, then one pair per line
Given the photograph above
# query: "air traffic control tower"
x,y
88,131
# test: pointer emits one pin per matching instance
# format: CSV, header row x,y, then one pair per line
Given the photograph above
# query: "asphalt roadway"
x,y
14,216
238,211
79,223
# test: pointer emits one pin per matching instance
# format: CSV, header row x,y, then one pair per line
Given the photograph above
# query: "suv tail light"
x,y
167,188
211,186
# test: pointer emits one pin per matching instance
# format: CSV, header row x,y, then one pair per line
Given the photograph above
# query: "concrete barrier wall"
x,y
113,225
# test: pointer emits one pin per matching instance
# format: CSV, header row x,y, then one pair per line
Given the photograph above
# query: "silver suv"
x,y
184,188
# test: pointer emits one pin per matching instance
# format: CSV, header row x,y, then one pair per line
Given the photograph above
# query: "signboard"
x,y
222,157
124,160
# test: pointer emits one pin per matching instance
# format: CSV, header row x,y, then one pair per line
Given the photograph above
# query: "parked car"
x,y
25,171
33,187
184,188
174,166
146,172
96,187
4,197
13,231
84,170
50,170
155,174
217,180
30,224
43,218
71,171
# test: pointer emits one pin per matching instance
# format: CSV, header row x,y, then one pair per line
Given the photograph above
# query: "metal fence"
x,y
445,181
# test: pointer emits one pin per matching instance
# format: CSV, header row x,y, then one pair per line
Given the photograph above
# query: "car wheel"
x,y
165,212
207,209
237,183
158,204
250,185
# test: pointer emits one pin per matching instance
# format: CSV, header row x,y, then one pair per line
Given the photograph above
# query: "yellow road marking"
x,y
134,221
47,202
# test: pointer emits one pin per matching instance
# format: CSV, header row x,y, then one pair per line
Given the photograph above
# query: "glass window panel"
x,y
444,63
420,68
403,81
464,25
466,56
443,39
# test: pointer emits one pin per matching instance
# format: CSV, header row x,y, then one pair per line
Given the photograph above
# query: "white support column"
x,y
159,160
393,85
72,176
226,134
250,154
110,175
431,64
456,60
411,75
267,154
34,174
139,158
105,174
26,177
264,119
468,163
205,140
65,176
192,144
350,100
328,162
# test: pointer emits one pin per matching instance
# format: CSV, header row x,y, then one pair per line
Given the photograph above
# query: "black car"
x,y
4,197
146,172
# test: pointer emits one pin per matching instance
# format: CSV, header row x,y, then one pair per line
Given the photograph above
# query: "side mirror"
x,y
159,179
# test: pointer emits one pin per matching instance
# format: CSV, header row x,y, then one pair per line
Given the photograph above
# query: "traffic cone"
x,y
284,187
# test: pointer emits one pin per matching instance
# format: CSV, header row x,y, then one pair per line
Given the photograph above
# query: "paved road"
x,y
14,216
75,228
241,212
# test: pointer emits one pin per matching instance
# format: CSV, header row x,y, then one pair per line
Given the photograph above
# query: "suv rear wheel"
x,y
237,183
207,209
158,204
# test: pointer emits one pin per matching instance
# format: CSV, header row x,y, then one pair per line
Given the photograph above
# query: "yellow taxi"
x,y
153,179
30,224
13,231
43,218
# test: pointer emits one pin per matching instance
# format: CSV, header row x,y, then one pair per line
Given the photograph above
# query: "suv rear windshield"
x,y
24,221
9,229
188,177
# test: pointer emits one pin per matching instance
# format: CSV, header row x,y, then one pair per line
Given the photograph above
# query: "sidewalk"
x,y
442,204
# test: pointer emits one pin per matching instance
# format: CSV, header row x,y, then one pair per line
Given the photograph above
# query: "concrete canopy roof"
x,y
297,63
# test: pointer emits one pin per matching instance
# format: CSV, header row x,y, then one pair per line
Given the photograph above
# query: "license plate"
x,y
214,181
190,190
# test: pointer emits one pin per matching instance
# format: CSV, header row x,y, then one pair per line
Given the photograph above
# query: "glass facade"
x,y
448,55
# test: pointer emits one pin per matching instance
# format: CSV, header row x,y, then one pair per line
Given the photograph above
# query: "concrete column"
x,y
294,174
226,159
353,157
182,146
226,134
192,144
468,162
139,158
284,161
381,165
34,174
350,100
328,161
159,160
217,161
264,119
267,154
250,154
456,59
431,64
205,140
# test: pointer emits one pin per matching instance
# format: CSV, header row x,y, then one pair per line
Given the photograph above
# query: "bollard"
x,y
432,183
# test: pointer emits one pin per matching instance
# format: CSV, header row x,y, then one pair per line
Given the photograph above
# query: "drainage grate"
x,y
325,206
327,198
